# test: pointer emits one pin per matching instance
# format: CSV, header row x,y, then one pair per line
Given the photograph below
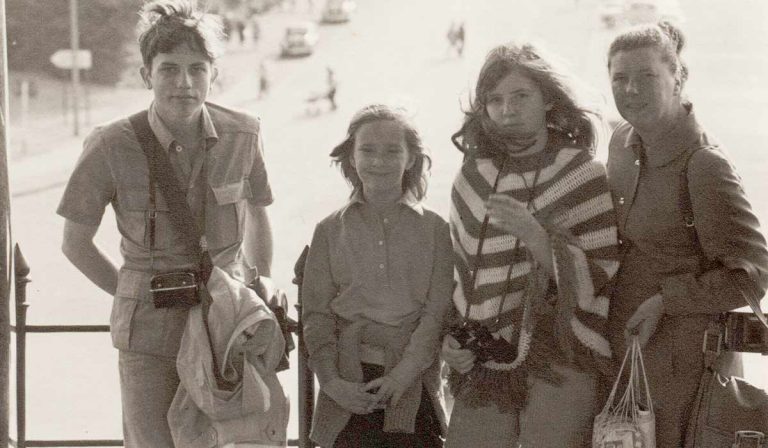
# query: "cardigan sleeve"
x,y
730,236
424,343
319,324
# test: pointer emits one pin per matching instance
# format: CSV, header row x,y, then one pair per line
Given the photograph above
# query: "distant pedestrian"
x,y
459,44
451,37
455,36
263,80
332,85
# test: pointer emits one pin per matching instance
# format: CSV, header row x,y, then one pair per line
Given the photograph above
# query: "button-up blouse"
x,y
659,255
394,269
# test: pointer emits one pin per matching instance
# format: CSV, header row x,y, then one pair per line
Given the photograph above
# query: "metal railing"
x,y
306,384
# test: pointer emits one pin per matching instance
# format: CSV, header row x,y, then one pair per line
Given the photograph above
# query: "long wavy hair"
x,y
570,117
414,178
165,25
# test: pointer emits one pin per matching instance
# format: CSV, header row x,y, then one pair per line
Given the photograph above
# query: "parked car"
x,y
338,11
619,13
299,39
610,13
650,11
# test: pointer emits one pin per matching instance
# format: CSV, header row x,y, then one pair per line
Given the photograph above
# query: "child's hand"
x,y
511,216
354,397
459,359
389,390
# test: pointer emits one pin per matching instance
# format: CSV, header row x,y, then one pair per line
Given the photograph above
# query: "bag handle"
x,y
627,406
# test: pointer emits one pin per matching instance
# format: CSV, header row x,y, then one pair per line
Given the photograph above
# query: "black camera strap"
x,y
481,240
161,173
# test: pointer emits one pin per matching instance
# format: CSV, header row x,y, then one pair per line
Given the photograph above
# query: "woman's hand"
x,y
512,216
353,397
645,319
459,359
389,390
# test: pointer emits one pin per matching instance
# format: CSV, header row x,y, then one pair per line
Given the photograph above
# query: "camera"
x,y
744,333
477,338
174,289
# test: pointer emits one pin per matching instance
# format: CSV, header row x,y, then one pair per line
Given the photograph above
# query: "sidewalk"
x,y
43,153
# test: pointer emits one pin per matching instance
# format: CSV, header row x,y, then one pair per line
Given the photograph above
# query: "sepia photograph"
x,y
384,223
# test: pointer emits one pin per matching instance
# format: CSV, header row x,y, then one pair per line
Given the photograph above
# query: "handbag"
x,y
630,421
727,411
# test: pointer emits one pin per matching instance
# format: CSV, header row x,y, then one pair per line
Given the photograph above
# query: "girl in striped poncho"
x,y
535,245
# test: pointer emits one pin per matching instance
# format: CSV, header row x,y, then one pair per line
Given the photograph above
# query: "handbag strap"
x,y
686,208
180,215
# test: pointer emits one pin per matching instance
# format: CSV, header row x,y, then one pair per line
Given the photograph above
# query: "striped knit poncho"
x,y
563,322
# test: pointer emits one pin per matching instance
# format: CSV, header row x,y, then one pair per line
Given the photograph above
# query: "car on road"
x,y
618,13
610,12
299,39
338,11
649,11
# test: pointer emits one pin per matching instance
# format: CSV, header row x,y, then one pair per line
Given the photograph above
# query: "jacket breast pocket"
x,y
135,218
227,219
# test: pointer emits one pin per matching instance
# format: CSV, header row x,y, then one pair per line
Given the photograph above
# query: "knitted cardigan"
x,y
563,323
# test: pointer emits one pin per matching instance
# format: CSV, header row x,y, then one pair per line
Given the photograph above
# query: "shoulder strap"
x,y
684,198
686,207
161,173
180,214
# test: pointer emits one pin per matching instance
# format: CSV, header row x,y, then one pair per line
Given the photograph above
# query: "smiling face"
x,y
645,88
180,81
517,105
380,157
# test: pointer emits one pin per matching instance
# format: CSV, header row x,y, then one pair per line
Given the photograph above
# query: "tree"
x,y
36,29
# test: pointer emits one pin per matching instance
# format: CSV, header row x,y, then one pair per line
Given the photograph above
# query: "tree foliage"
x,y
37,28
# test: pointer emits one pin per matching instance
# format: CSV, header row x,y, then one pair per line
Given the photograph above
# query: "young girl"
x,y
535,241
377,286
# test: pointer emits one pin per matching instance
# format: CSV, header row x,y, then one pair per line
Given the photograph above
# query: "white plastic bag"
x,y
630,421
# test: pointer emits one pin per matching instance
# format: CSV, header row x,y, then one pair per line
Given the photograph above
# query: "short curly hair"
x,y
414,178
165,25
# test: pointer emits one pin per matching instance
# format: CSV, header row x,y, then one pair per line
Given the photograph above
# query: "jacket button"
x,y
637,162
621,200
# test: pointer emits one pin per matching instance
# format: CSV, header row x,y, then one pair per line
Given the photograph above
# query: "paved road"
x,y
392,51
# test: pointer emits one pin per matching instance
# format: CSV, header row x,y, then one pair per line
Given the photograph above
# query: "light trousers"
x,y
147,386
556,416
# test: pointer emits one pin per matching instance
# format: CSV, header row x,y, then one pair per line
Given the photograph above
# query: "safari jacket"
x,y
248,344
113,171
